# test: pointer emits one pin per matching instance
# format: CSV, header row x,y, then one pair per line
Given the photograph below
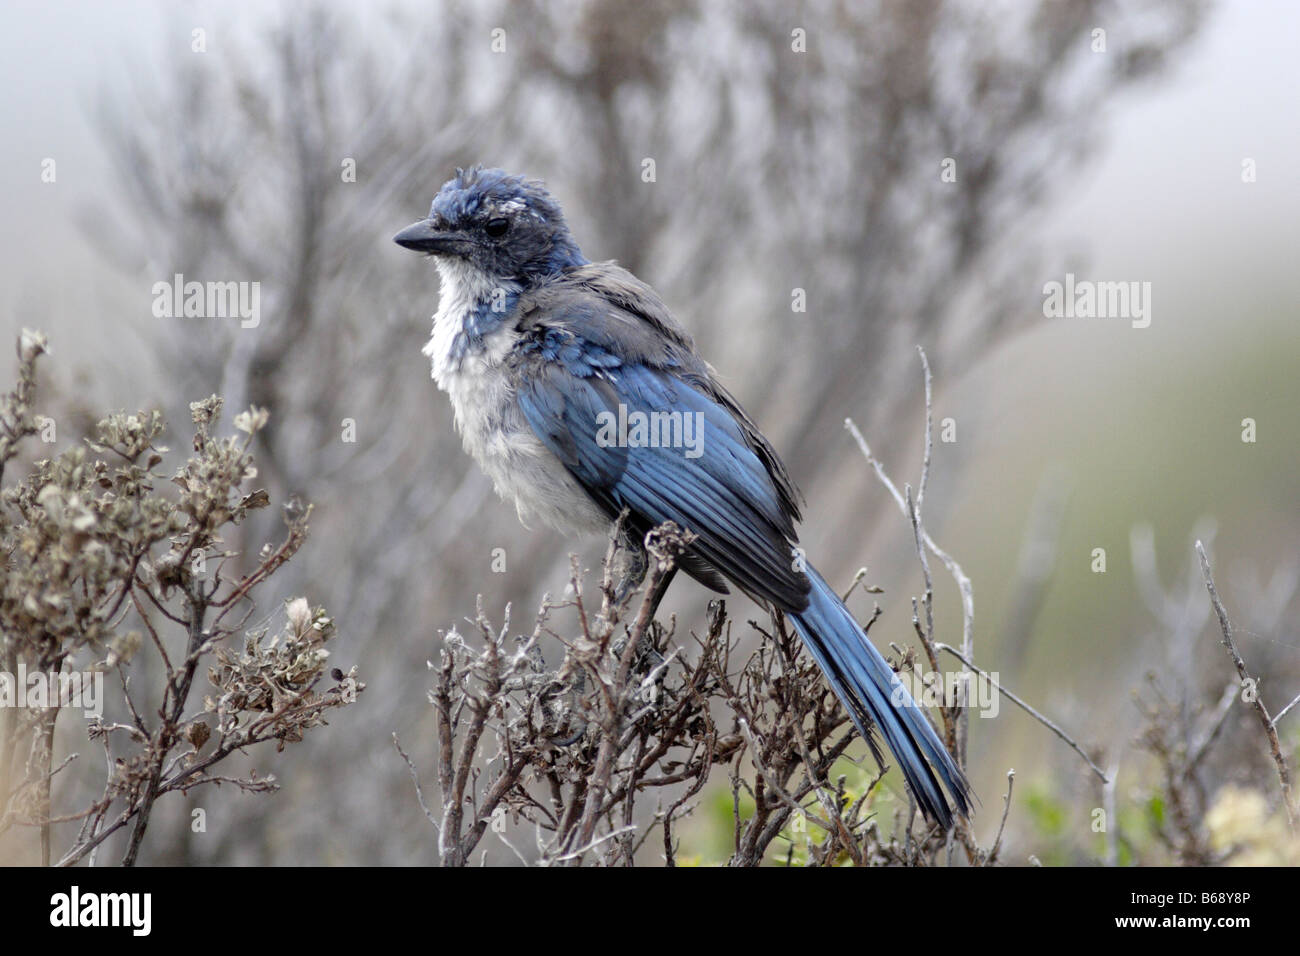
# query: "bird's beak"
x,y
423,237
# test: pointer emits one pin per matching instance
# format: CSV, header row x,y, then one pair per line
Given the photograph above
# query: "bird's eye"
x,y
496,228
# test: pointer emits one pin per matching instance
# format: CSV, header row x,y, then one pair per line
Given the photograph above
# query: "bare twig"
x,y
1006,809
1266,722
1029,710
415,779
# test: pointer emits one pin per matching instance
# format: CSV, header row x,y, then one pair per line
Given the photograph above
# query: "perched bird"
x,y
581,396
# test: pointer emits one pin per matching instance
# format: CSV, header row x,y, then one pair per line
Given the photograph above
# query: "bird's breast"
x,y
474,374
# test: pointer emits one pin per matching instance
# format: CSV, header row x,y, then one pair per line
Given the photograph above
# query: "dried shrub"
x,y
113,566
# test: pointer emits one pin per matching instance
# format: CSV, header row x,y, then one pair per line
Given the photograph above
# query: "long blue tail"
x,y
865,683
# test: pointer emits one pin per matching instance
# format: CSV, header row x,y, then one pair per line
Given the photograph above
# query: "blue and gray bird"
x,y
541,351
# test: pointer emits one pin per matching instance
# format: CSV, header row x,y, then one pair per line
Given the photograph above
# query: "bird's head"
x,y
504,226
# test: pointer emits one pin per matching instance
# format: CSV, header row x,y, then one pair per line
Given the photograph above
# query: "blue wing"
x,y
569,389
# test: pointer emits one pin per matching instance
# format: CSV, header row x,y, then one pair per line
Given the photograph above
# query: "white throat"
x,y
464,289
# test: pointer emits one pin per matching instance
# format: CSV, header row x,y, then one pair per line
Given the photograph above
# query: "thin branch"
x,y
1006,809
1283,712
1275,746
1029,710
415,779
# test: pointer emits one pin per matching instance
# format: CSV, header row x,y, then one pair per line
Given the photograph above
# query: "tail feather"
x,y
867,686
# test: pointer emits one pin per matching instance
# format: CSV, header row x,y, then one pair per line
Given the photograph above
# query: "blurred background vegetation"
x,y
779,165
